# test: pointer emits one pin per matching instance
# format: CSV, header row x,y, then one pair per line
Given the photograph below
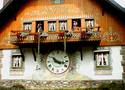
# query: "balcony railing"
x,y
46,37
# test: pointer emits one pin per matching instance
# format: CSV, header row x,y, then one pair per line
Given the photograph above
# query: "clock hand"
x,y
56,61
62,62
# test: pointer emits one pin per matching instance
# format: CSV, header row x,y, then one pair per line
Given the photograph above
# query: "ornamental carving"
x,y
111,36
54,10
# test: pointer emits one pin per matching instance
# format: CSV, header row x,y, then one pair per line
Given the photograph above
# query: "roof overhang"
x,y
9,10
115,5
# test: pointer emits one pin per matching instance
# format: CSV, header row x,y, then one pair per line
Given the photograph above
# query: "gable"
x,y
43,10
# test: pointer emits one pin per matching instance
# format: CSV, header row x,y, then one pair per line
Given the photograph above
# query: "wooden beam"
x,y
81,53
21,51
34,55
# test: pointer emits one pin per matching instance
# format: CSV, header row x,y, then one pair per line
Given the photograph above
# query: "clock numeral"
x,y
53,53
66,61
65,65
48,61
65,56
57,52
49,65
62,69
49,56
52,69
57,70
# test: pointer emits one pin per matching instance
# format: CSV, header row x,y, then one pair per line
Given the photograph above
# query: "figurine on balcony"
x,y
27,27
52,26
75,23
63,25
89,26
39,27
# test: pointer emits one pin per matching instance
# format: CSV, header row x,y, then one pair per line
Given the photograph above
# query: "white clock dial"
x,y
57,61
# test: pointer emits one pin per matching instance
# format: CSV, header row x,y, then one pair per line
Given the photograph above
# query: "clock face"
x,y
57,61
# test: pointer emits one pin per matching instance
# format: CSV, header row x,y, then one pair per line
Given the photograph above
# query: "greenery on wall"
x,y
14,87
103,86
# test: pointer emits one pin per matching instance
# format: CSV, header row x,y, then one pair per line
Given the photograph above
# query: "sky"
x,y
121,2
1,4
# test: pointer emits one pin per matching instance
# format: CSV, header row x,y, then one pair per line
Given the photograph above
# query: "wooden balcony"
x,y
22,37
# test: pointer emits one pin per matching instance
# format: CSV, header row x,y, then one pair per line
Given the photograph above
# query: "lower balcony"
x,y
20,37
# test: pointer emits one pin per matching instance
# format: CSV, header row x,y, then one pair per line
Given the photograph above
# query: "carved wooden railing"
x,y
28,37
22,37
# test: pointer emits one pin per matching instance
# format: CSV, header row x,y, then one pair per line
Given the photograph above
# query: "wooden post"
x,y
64,40
38,45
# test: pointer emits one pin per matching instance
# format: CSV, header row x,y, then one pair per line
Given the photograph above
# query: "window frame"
x,y
88,23
29,24
78,21
54,27
41,23
19,66
66,26
105,67
57,1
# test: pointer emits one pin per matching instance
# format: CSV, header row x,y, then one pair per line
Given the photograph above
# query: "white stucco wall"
x,y
84,69
87,65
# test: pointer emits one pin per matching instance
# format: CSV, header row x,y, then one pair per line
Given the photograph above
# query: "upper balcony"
x,y
24,37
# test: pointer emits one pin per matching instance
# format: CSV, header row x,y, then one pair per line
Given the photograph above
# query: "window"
x,y
27,26
52,25
57,1
102,58
76,23
63,25
17,61
39,26
89,25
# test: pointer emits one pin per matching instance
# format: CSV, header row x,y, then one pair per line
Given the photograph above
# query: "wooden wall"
x,y
35,10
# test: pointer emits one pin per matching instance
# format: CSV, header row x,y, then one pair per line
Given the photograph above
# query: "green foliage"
x,y
103,86
103,67
3,88
112,86
14,87
18,87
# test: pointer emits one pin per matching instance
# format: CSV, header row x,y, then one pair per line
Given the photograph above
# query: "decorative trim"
x,y
101,50
16,72
111,36
103,72
103,69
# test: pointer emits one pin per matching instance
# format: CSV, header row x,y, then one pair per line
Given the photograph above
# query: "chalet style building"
x,y
61,43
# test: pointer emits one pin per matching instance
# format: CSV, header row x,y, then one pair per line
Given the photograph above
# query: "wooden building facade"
x,y
68,41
